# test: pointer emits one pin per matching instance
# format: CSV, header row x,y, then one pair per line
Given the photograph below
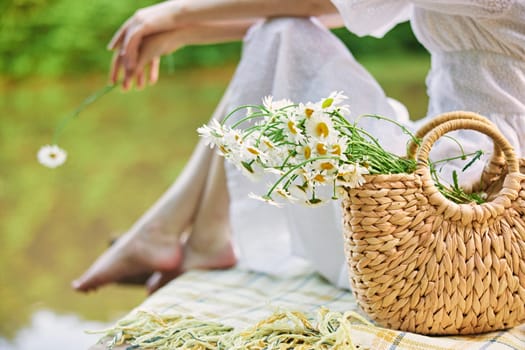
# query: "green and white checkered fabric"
x,y
241,298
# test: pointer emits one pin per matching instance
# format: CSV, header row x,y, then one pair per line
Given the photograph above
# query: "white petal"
x,y
51,156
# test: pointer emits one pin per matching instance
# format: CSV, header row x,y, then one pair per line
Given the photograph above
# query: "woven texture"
x,y
241,298
421,263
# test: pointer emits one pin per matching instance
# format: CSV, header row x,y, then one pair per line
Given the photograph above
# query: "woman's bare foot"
x,y
134,254
208,246
221,259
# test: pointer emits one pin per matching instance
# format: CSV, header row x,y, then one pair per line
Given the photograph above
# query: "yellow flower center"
x,y
321,149
336,149
308,112
307,152
321,129
319,178
223,149
53,155
327,103
291,127
282,193
327,166
252,150
268,144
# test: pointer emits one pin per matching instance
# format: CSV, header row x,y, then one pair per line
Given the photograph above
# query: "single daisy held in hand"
x,y
51,156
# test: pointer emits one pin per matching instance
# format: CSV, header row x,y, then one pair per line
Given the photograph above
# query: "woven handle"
x,y
486,128
443,118
505,196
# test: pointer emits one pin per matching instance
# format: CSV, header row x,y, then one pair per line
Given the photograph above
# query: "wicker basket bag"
x,y
421,263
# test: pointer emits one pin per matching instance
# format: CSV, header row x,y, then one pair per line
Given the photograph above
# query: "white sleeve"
x,y
373,17
470,8
377,17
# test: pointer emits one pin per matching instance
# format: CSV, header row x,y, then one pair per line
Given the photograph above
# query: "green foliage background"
x,y
63,37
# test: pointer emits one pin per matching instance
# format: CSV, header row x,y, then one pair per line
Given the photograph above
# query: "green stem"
x,y
89,100
228,116
457,143
285,175
245,119
462,156
403,128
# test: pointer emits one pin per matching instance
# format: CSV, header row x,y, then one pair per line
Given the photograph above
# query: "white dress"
x,y
478,64
477,49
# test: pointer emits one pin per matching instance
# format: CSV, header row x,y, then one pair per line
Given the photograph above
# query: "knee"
x,y
286,24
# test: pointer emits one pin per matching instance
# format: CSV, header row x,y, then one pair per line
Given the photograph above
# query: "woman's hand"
x,y
146,35
137,39
151,47
146,60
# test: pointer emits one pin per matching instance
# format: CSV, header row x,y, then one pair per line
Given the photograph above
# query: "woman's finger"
x,y
116,65
126,84
116,40
154,70
129,75
147,60
130,47
140,78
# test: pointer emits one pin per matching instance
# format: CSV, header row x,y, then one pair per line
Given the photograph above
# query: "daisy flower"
x,y
274,171
51,156
273,106
248,152
317,176
285,194
334,101
351,175
265,199
307,109
328,165
320,126
304,152
299,192
211,132
338,146
292,129
229,144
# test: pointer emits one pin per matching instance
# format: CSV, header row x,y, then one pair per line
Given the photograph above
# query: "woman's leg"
x,y
153,242
209,244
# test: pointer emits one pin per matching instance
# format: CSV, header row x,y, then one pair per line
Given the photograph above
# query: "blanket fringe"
x,y
281,330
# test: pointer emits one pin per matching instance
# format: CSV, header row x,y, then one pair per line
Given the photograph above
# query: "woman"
x,y
478,55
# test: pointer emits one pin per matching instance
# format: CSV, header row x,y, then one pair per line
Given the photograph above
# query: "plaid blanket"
x,y
241,298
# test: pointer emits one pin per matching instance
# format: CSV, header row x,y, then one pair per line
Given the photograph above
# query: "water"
x,y
124,151
49,331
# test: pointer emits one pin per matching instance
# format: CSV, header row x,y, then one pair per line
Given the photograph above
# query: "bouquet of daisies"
x,y
308,146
